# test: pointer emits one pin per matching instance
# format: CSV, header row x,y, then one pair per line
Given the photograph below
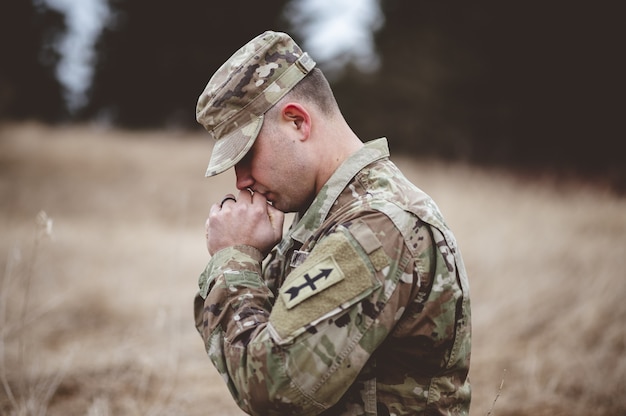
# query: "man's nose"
x,y
244,177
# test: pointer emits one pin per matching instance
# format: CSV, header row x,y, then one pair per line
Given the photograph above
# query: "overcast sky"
x,y
335,32
85,19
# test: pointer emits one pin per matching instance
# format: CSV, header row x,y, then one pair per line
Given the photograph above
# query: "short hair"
x,y
315,89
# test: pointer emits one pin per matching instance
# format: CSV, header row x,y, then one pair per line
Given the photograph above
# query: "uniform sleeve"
x,y
299,353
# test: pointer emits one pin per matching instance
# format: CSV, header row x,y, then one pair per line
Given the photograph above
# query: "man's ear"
x,y
298,117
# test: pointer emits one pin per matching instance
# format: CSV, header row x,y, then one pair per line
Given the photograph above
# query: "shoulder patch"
x,y
348,281
311,281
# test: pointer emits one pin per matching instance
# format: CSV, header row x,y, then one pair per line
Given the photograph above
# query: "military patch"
x,y
315,279
351,280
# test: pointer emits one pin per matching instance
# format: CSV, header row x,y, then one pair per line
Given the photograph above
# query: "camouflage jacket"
x,y
362,309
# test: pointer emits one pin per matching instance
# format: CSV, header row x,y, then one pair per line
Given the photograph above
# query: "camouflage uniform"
x,y
362,309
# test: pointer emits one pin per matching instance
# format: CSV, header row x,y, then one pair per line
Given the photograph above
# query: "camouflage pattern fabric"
x,y
362,309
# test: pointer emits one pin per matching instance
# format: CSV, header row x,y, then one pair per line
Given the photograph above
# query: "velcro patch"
x,y
351,281
315,279
370,243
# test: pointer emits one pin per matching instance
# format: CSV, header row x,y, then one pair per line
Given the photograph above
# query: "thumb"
x,y
277,218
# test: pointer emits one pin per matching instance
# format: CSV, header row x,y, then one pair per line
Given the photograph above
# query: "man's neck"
x,y
336,148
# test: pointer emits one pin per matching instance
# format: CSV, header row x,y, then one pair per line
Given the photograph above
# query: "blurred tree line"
x,y
528,84
28,60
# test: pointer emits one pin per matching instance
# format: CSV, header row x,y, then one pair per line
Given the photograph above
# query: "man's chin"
x,y
282,207
279,207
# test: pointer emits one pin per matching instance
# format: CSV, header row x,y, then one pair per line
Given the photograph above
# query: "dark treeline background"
x,y
532,85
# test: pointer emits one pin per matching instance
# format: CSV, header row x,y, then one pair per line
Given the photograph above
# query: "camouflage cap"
x,y
232,105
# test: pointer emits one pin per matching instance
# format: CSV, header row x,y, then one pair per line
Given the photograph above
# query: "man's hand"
x,y
248,220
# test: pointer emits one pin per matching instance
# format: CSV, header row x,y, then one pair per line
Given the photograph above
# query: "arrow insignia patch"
x,y
315,279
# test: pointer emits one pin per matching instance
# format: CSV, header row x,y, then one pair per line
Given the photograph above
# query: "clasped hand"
x,y
247,219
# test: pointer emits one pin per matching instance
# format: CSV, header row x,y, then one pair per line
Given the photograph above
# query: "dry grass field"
x,y
102,242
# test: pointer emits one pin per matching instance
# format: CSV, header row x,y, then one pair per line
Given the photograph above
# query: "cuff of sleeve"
x,y
223,256
221,260
253,252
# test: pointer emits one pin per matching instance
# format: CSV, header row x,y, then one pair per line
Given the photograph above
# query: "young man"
x,y
362,308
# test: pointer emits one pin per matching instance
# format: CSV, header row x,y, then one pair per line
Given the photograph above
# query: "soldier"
x,y
362,308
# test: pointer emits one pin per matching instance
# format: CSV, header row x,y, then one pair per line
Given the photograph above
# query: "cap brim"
x,y
230,149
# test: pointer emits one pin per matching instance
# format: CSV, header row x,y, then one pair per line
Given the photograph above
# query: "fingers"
x,y
249,219
228,197
245,196
214,209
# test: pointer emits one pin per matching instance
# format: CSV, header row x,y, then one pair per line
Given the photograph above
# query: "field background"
x,y
96,291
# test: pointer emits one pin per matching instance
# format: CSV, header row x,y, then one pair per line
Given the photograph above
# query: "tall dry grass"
x,y
95,301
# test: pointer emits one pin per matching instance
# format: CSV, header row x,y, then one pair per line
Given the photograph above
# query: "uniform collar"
x,y
323,202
